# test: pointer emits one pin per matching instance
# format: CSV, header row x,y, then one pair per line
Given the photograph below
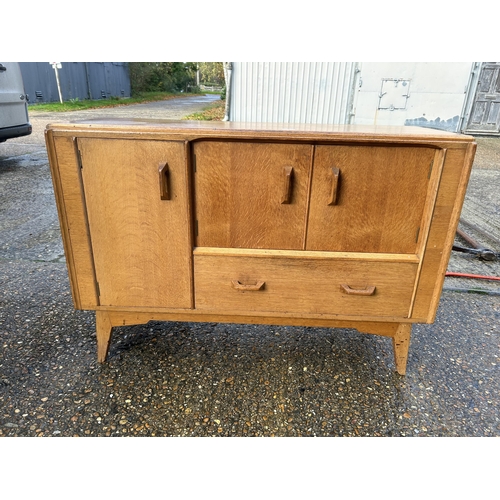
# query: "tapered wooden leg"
x,y
103,330
401,344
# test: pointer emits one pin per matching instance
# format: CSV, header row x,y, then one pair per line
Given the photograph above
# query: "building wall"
x,y
436,94
78,80
425,94
291,92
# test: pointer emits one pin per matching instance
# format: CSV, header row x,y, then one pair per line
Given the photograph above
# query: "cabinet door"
x,y
141,243
368,198
251,195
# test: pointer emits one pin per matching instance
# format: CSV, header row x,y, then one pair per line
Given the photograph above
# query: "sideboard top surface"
x,y
193,130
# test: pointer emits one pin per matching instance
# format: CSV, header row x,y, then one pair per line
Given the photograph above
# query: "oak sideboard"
x,y
307,225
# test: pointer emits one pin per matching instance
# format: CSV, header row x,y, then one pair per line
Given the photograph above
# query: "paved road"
x,y
171,109
192,379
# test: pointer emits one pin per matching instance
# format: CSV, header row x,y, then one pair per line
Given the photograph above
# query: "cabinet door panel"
x,y
368,198
141,244
251,195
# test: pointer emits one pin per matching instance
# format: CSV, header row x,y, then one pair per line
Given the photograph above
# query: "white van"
x,y
14,121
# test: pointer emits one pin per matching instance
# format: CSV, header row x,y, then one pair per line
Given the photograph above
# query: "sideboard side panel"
x,y
450,197
73,220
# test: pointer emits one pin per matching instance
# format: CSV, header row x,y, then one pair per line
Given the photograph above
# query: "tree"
x,y
211,72
162,76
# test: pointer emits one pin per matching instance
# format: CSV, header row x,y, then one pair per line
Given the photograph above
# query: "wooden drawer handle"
x,y
369,290
335,186
164,181
287,185
240,286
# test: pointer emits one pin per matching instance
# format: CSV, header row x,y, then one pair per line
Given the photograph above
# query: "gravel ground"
x,y
193,379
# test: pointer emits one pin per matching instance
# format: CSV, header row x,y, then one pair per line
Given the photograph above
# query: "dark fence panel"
x,y
78,80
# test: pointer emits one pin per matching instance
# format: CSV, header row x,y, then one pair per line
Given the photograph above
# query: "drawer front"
x,y
305,286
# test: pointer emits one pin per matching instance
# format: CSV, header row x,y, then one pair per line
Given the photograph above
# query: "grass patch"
x,y
215,111
77,105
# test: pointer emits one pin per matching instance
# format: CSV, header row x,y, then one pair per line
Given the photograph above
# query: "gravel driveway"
x,y
193,379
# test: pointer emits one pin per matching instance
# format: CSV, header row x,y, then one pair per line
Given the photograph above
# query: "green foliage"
x,y
76,104
162,76
211,73
173,76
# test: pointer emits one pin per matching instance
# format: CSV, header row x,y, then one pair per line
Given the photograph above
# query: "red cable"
x,y
477,276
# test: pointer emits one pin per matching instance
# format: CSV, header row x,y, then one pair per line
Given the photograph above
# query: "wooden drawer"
x,y
346,287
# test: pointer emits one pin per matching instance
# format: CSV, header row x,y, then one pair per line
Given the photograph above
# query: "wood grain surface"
x,y
344,226
70,201
239,194
141,244
304,285
379,199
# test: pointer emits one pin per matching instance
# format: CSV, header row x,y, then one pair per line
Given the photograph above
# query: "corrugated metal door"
x,y
485,114
82,80
292,92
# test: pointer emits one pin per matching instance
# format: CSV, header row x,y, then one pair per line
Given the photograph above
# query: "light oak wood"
x,y
379,201
306,133
70,201
307,225
237,285
140,239
400,333
239,194
304,285
304,254
435,178
104,329
448,205
335,175
287,185
401,344
121,317
164,175
366,291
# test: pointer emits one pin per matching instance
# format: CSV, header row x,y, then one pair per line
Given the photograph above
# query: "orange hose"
x,y
477,276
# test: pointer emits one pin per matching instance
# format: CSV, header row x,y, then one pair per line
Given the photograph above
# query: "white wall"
x,y
307,92
340,93
437,94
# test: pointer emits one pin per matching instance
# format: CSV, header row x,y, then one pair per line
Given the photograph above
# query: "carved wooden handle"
x,y
164,181
335,186
287,185
369,290
240,286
